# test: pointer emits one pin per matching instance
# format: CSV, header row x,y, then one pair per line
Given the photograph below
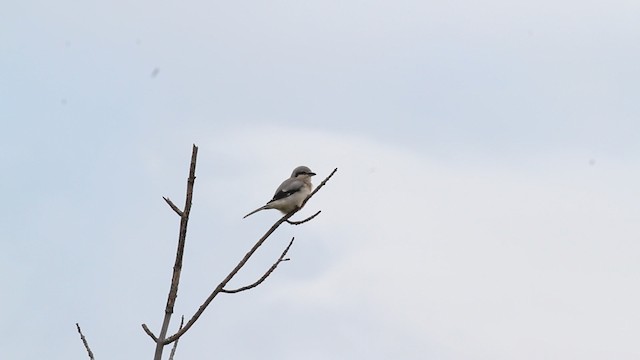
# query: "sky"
x,y
485,204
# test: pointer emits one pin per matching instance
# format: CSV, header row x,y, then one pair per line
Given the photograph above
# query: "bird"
x,y
291,193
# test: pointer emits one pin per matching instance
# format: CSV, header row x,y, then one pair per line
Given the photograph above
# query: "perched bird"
x,y
291,193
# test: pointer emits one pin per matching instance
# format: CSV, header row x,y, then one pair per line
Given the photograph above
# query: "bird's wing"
x,y
287,188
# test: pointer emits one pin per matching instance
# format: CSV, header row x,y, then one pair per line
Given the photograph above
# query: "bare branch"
x,y
146,329
266,274
177,267
224,282
175,344
242,262
173,206
305,220
84,341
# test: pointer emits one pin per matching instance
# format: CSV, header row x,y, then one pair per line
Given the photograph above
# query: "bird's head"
x,y
302,172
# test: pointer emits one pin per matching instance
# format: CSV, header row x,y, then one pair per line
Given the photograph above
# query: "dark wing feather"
x,y
288,187
281,195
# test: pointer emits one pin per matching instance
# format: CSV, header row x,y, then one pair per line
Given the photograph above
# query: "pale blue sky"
x,y
486,205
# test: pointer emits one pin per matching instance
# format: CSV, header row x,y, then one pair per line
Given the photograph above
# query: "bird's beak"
x,y
312,174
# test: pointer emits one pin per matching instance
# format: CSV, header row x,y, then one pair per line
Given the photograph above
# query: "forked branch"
x,y
162,340
239,266
177,267
266,274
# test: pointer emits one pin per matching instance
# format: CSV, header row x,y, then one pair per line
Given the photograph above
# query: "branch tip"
x,y
84,342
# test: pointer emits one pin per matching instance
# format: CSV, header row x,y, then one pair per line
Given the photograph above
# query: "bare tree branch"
x,y
224,282
84,341
173,206
305,220
266,274
242,262
175,344
177,267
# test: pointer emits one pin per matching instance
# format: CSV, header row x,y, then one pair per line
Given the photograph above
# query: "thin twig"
x,y
84,341
266,274
175,344
305,220
146,329
242,262
173,206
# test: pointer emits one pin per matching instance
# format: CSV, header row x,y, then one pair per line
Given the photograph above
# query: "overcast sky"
x,y
485,207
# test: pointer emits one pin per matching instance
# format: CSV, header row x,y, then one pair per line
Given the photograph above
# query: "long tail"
x,y
256,210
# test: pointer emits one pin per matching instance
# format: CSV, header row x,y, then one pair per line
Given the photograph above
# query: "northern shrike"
x,y
291,193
